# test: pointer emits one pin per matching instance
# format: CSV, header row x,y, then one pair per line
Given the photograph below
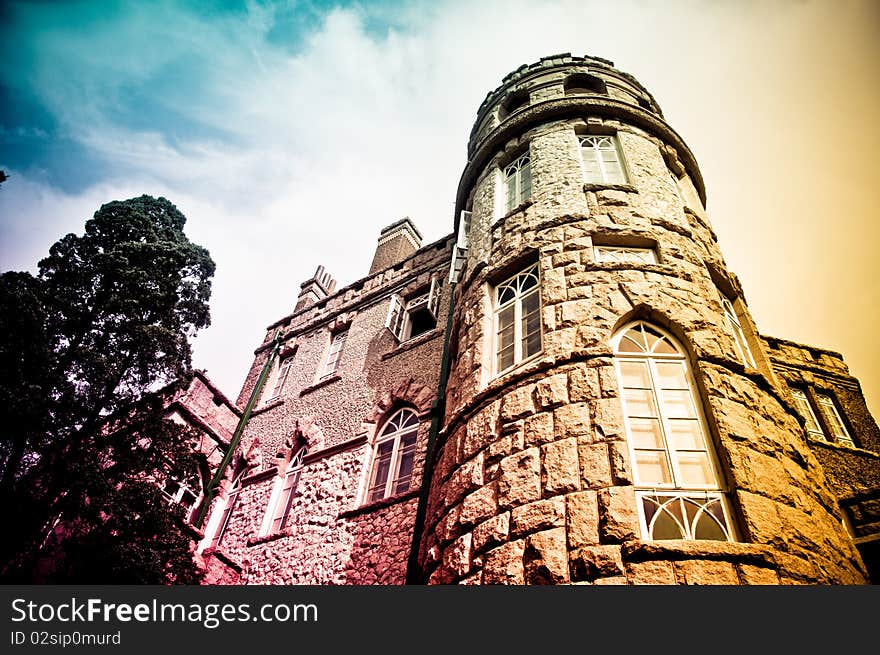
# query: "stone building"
x,y
569,388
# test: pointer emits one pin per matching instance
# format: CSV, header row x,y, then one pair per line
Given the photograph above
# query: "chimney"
x,y
319,286
396,242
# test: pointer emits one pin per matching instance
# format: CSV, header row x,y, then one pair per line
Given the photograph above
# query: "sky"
x,y
289,133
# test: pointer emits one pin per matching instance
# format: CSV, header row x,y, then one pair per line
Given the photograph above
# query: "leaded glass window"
x,y
517,319
394,457
518,180
676,477
602,161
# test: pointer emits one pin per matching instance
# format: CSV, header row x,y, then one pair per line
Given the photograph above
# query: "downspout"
x,y
414,573
214,484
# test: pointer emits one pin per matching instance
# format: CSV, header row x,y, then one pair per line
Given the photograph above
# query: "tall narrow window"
x,y
334,354
518,179
517,319
678,488
832,418
284,498
739,337
395,453
231,501
806,410
602,161
280,378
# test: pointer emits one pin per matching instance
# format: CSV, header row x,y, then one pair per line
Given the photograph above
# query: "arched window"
x,y
678,484
395,451
518,181
283,498
517,319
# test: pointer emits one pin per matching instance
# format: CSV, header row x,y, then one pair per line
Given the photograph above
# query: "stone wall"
x,y
332,536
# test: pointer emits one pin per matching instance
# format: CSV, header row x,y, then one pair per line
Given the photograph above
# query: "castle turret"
x,y
612,415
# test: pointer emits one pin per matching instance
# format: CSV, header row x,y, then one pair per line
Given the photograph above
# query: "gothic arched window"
x,y
283,498
395,453
678,485
518,181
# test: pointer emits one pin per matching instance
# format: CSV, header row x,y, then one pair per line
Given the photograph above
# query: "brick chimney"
x,y
319,286
396,242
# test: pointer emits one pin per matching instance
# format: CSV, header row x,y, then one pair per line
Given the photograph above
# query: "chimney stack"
x,y
319,286
396,242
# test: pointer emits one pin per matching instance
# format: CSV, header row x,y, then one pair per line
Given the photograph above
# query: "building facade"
x,y
567,389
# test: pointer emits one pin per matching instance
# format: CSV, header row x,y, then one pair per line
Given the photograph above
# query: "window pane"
x,y
678,404
525,183
635,374
652,468
707,528
695,469
685,434
639,402
668,522
646,433
672,375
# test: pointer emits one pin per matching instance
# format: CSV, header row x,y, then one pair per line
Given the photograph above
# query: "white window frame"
x,y
743,349
813,426
399,318
282,371
835,423
624,254
592,148
334,354
462,243
222,513
281,502
516,190
517,302
674,491
177,497
393,477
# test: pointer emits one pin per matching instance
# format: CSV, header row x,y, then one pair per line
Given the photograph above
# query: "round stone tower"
x,y
611,415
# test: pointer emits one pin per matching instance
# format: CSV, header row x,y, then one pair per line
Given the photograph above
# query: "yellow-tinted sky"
x,y
290,133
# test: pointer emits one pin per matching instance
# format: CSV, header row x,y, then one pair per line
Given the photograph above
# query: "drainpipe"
x,y
214,484
414,573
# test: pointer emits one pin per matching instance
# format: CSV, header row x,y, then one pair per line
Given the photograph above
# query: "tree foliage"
x,y
93,348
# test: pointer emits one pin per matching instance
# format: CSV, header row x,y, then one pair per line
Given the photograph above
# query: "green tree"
x,y
93,348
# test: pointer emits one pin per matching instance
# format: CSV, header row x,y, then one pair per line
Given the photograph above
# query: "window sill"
x,y
598,186
320,383
270,405
520,207
836,445
413,343
266,538
516,367
681,549
380,504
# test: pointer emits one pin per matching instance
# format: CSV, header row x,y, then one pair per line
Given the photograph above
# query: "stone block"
x,y
618,517
491,532
479,505
757,575
651,573
572,420
621,471
608,419
595,467
545,558
552,391
553,288
456,561
504,565
560,470
706,572
582,514
538,429
519,481
518,403
539,515
583,383
593,562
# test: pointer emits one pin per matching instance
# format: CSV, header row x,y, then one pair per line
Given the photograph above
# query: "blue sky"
x,y
290,133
